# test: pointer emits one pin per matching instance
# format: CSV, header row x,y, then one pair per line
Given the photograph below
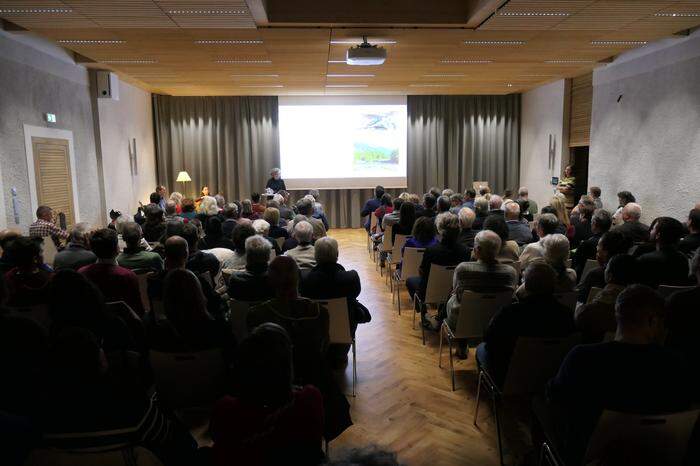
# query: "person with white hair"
x,y
632,226
314,196
518,230
262,228
285,212
252,284
220,201
275,184
481,209
484,275
546,225
77,253
466,232
303,254
208,206
496,205
305,207
524,195
556,253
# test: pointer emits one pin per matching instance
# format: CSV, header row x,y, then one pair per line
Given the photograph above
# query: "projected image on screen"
x,y
342,146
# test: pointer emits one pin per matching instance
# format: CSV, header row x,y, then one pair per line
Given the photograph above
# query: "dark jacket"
x,y
466,237
73,257
586,250
200,262
209,242
441,254
369,207
637,231
250,285
276,185
666,266
689,244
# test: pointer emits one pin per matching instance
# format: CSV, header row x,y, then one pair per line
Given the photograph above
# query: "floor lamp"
x,y
183,177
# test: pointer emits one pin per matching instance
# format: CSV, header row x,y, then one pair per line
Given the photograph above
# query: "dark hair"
x,y
191,235
305,206
524,207
263,367
694,219
424,229
443,204
24,251
548,222
626,197
155,198
255,197
229,212
114,214
397,202
104,243
429,200
75,355
497,224
183,299
385,199
668,231
378,191
548,209
470,192
174,228
407,216
621,270
507,194
213,229
131,234
615,242
595,190
76,301
435,192
241,232
602,219
187,205
636,304
153,213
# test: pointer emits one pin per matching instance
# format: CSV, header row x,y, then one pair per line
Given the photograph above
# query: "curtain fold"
x,y
230,144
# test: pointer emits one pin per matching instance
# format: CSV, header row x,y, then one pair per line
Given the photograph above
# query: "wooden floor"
x,y
404,402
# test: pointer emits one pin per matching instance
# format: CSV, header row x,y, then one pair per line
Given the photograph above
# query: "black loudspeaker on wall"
x,y
107,85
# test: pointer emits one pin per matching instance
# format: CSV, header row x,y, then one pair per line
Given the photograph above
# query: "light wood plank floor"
x,y
404,402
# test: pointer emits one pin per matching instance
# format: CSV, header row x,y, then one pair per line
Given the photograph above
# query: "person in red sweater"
x,y
269,421
116,283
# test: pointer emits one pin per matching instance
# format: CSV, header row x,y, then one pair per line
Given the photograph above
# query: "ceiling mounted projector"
x,y
365,54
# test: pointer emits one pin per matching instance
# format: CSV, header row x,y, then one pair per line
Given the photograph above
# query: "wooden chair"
x,y
127,456
668,290
411,260
187,380
394,257
39,313
567,299
533,363
635,439
339,329
437,291
238,315
143,275
595,291
590,265
384,248
372,226
475,313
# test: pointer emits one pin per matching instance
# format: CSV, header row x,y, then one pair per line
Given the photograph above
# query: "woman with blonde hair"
x,y
177,198
208,206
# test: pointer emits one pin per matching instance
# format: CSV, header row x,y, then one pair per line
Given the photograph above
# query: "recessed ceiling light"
x,y
255,76
467,61
207,12
350,76
346,85
261,85
136,61
533,13
536,76
337,61
34,11
228,42
444,75
494,42
678,15
90,41
359,41
429,85
617,42
242,61
509,85
558,62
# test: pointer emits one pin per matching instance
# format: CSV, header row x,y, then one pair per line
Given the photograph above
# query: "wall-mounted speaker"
x,y
107,85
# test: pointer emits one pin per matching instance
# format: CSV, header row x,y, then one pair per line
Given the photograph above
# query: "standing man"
x,y
524,195
372,205
44,226
567,186
275,183
161,191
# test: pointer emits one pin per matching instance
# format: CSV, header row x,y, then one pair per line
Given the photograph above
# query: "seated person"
x,y
611,244
581,221
214,236
371,205
691,242
601,221
631,226
187,325
329,280
259,203
496,205
667,265
424,235
510,252
241,233
406,220
303,254
392,219
252,284
596,318
466,232
115,282
442,204
7,236
538,315
484,275
270,421
188,210
272,216
77,253
556,252
428,207
88,409
481,211
134,256
154,226
456,202
45,226
447,252
683,322
305,207
230,214
546,225
262,228
27,282
621,375
386,206
247,210
314,196
198,261
518,230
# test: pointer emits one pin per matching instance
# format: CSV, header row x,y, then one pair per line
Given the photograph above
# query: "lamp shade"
x,y
183,176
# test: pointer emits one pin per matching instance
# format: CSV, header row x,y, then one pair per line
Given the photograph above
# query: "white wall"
x,y
542,116
120,122
649,142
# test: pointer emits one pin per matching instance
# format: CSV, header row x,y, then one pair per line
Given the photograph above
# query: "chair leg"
x,y
452,367
498,426
416,304
478,396
326,448
422,327
398,295
354,367
442,337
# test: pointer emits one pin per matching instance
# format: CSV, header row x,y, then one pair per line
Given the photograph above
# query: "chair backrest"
x,y
476,311
412,258
439,284
567,298
280,242
339,320
238,315
186,380
372,222
129,456
595,291
534,362
39,313
386,240
122,310
642,440
590,265
668,290
50,250
399,241
143,275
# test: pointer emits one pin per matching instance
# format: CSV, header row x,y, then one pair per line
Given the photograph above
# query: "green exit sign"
x,y
51,118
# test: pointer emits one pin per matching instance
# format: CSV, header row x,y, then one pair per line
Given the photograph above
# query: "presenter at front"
x,y
567,186
275,183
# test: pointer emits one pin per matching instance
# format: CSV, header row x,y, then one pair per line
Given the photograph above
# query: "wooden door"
x,y
52,172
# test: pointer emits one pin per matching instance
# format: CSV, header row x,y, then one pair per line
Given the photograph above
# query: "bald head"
x,y
512,211
496,202
176,252
487,245
632,212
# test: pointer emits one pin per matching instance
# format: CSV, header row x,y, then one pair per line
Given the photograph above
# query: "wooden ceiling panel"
x,y
183,47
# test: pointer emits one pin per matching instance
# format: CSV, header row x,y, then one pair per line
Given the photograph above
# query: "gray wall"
x,y
649,142
34,82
